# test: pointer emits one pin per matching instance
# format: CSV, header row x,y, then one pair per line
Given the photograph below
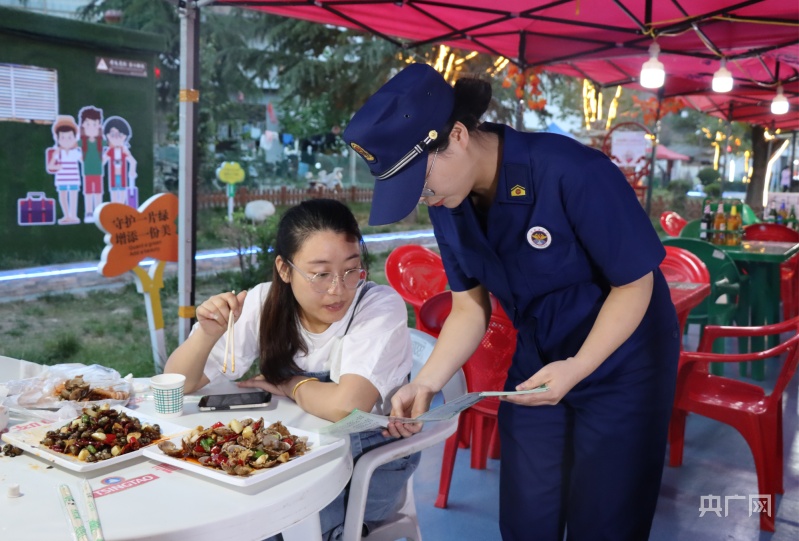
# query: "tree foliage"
x,y
708,175
321,73
155,16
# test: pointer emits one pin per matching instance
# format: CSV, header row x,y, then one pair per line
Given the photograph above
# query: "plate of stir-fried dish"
x,y
101,436
241,452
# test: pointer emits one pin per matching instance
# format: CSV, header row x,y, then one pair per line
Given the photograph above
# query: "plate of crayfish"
x,y
241,452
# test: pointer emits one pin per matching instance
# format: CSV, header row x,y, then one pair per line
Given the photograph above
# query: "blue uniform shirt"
x,y
564,226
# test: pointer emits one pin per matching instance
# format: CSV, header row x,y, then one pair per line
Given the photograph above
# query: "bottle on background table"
x,y
771,217
706,224
782,214
792,222
734,227
719,225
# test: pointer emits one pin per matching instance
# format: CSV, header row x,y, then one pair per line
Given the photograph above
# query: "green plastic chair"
x,y
691,230
728,301
748,216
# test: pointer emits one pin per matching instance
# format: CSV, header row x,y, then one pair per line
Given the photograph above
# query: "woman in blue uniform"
x,y
554,231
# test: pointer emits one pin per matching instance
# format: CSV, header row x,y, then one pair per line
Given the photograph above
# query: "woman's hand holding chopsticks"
x,y
215,314
215,318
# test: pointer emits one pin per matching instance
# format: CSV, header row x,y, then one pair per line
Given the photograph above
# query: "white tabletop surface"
x,y
158,502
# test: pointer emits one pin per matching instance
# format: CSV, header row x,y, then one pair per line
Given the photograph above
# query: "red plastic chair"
x,y
416,273
681,265
433,313
672,223
744,406
789,271
486,370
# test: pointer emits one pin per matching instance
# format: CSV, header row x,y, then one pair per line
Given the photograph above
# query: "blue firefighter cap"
x,y
392,133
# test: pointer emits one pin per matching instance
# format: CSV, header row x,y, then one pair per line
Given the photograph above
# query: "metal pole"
x,y
522,67
187,173
353,165
651,183
728,136
793,158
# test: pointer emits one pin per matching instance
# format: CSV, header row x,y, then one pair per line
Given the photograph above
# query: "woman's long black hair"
x,y
280,338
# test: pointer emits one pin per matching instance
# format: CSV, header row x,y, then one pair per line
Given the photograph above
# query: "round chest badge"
x,y
538,237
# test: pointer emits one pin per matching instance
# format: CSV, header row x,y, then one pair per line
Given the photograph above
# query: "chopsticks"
x,y
230,343
73,515
94,518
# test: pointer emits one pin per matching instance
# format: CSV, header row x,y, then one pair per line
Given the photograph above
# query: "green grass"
x,y
107,327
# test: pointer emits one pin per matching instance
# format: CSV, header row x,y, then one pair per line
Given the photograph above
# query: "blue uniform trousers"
x,y
592,464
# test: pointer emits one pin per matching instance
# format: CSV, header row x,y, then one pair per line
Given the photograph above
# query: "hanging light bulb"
x,y
779,105
722,79
652,73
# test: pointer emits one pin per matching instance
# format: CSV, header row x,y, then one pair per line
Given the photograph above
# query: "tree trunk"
x,y
760,157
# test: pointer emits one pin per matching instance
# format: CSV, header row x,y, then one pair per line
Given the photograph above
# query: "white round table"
x,y
163,503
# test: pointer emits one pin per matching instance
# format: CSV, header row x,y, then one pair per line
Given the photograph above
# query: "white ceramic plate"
x,y
317,449
28,440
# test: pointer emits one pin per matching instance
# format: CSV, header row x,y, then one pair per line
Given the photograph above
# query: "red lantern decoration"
x,y
527,86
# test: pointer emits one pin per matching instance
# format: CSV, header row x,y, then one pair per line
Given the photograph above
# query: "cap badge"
x,y
363,152
518,191
538,237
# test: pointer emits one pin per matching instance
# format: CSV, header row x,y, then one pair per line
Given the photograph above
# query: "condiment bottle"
x,y
706,223
734,227
719,225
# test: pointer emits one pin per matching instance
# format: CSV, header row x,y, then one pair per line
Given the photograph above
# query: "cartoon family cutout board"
x,y
80,156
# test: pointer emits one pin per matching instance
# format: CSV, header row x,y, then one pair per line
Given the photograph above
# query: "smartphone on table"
x,y
233,401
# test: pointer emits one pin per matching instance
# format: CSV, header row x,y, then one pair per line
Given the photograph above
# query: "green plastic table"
x,y
761,260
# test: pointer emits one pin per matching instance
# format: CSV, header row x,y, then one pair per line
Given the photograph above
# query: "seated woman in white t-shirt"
x,y
322,336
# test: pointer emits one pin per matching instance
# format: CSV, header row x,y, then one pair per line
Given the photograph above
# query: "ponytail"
x,y
472,98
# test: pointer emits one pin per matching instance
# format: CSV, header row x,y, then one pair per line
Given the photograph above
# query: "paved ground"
x,y
30,283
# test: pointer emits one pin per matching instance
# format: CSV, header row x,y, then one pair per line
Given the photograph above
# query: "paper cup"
x,y
168,393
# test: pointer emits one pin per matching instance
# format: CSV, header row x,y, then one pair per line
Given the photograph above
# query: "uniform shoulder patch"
x,y
518,191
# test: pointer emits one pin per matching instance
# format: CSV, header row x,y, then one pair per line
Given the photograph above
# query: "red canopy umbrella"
x,y
605,41
663,153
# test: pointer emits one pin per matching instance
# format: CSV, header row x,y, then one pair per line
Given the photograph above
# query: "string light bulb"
x,y
779,105
652,73
722,79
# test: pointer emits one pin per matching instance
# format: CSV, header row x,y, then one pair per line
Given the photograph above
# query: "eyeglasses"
x,y
427,192
322,282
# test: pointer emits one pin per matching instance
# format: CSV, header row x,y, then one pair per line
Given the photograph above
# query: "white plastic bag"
x,y
41,391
